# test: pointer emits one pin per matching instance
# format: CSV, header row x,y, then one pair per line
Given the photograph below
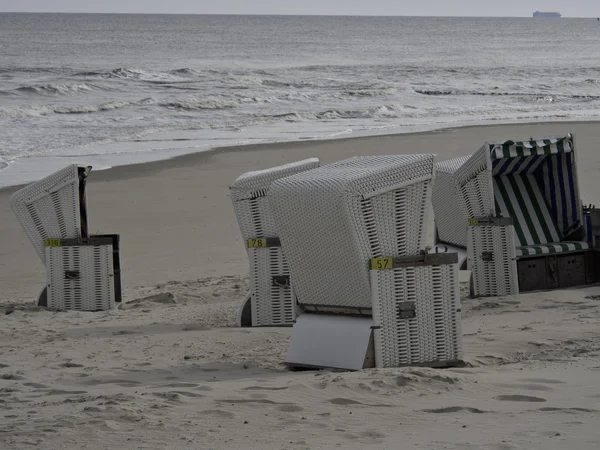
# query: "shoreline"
x,y
283,145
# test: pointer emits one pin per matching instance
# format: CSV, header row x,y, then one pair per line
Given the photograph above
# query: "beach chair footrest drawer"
x,y
556,271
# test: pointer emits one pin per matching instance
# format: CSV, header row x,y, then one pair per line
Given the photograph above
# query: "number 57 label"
x,y
381,263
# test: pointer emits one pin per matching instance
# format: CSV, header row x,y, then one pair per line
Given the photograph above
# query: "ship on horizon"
x,y
555,15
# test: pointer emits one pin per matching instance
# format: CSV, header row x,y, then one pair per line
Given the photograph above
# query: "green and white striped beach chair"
x,y
534,183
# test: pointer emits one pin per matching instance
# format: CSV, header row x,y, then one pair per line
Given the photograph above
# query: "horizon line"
x,y
285,15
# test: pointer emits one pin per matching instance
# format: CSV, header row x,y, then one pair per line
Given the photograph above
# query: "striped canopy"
x,y
535,183
520,197
548,146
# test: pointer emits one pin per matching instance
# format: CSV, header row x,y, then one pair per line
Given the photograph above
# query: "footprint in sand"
x,y
173,395
11,376
36,385
263,388
60,392
170,396
178,385
194,327
570,410
7,392
372,434
344,401
543,380
454,409
290,408
258,395
519,398
502,446
348,401
121,383
204,388
265,401
526,386
70,364
218,413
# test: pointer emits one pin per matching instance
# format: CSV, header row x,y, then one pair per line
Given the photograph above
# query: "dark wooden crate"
x,y
571,270
558,271
532,274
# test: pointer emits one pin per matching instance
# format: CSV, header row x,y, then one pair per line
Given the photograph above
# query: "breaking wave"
x,y
332,114
149,76
370,92
42,110
62,89
196,105
536,95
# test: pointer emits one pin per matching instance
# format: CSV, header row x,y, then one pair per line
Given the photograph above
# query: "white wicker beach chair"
x,y
53,208
271,299
82,271
535,184
332,222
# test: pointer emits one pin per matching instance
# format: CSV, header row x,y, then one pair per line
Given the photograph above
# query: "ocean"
x,y
108,90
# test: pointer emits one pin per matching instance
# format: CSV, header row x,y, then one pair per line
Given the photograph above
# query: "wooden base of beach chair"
x,y
247,313
82,274
558,271
492,257
500,269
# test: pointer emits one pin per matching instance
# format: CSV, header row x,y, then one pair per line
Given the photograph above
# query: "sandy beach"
x,y
167,369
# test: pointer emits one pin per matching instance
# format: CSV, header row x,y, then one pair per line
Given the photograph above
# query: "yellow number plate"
x,y
381,263
51,242
255,243
473,222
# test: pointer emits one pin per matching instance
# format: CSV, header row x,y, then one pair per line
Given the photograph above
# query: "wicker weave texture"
x,y
451,165
448,209
334,219
474,183
271,305
257,182
254,218
92,289
49,208
498,276
434,335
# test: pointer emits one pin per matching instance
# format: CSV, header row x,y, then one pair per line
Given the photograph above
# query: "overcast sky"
x,y
571,8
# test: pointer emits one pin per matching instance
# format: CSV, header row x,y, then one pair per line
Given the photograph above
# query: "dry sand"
x,y
167,370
